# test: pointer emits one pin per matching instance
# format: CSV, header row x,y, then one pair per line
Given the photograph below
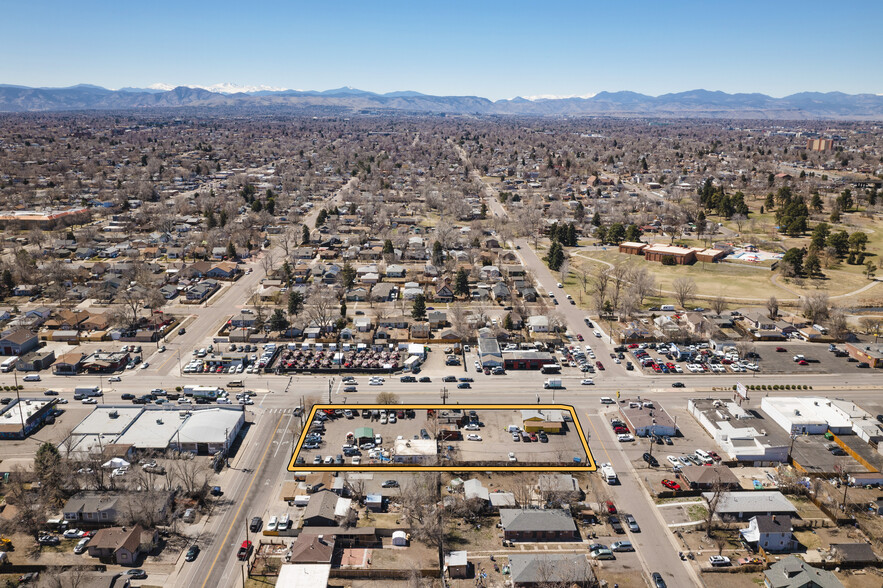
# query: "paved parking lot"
x,y
492,439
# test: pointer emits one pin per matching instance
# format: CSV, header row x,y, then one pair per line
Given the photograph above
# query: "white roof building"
x,y
303,576
806,415
212,428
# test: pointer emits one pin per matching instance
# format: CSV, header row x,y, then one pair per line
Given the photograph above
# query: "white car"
x,y
512,456
145,365
329,460
719,560
392,419
378,440
472,427
673,461
625,438
89,401
588,382
114,379
597,334
273,523
357,459
473,437
375,383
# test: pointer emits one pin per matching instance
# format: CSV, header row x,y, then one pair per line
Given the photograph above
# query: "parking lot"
x,y
351,436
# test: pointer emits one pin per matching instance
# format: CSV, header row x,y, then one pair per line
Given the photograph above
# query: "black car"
x,y
256,524
136,574
463,385
425,379
6,400
449,379
128,396
51,393
651,461
406,379
424,434
139,401
617,526
658,582
181,331
677,384
543,437
466,380
390,484
192,553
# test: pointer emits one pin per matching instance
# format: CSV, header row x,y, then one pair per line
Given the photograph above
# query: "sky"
x,y
479,47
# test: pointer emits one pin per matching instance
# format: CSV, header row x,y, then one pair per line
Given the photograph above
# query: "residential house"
x,y
443,292
225,270
536,570
395,271
707,477
320,511
202,290
420,331
92,508
537,525
357,294
500,291
538,324
792,572
437,318
122,545
772,533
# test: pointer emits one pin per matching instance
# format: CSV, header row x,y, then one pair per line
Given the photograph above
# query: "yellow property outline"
x,y
591,466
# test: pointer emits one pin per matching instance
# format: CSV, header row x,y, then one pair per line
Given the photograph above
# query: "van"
x,y
607,400
283,523
513,429
32,378
667,307
235,384
189,515
703,456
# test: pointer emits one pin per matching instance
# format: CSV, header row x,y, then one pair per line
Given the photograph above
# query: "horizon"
x,y
491,50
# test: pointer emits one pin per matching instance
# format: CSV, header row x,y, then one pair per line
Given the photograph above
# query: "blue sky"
x,y
481,47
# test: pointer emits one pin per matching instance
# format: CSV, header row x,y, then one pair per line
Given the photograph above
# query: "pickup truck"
x,y
244,551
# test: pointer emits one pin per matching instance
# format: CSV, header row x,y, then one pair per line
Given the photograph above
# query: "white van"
x,y
704,456
607,400
667,307
32,378
512,429
283,523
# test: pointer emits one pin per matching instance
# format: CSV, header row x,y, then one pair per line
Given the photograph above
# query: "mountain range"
x,y
691,104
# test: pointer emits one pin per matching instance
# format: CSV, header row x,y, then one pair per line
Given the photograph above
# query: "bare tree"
x,y
643,284
387,398
191,474
837,323
685,289
717,489
718,304
772,307
322,308
815,306
602,283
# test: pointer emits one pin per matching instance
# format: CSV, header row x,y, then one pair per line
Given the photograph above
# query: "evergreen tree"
x,y
819,236
7,284
295,302
305,236
231,250
210,221
257,205
507,322
277,321
418,311
816,202
571,235
555,257
438,256
794,259
343,308
616,234
812,266
388,249
286,273
840,242
461,283
596,219
633,233
347,275
222,218
579,212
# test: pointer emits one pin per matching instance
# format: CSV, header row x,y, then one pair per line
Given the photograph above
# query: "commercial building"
x,y
489,353
632,248
23,416
546,420
806,415
647,418
18,342
820,144
526,360
207,431
415,451
871,354
740,434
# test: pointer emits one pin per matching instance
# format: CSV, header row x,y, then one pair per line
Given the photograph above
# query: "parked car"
x,y
719,560
192,553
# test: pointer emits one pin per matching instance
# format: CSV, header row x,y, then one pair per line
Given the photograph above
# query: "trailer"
x,y
211,392
8,364
608,473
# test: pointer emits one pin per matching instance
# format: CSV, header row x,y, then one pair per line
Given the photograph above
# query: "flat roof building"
x,y
739,433
21,417
679,255
647,420
806,415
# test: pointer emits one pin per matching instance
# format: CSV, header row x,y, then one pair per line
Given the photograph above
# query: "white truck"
x,y
87,391
608,473
553,383
212,392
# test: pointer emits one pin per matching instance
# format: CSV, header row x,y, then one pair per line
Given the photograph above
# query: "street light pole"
x,y
444,395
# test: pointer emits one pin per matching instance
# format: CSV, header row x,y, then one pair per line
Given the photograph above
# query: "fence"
x,y
353,573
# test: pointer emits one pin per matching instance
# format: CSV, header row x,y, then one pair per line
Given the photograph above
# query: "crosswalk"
x,y
279,410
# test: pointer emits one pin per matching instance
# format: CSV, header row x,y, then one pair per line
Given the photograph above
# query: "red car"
x,y
533,437
579,337
633,345
671,485
611,508
802,362
781,349
599,365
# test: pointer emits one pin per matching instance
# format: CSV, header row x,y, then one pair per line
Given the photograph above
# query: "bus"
x,y
550,368
8,364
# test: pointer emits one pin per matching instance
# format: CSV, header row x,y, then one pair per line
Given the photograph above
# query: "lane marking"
x,y
243,501
600,440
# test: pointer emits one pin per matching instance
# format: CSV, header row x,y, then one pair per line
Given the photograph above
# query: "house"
x,y
18,342
225,270
319,512
437,318
243,319
707,477
500,291
772,533
420,331
457,564
537,525
122,545
312,549
395,270
357,294
744,505
535,570
444,293
538,324
792,572
203,290
92,508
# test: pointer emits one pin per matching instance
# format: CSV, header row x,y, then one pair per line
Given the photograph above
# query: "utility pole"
x,y
330,384
444,395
